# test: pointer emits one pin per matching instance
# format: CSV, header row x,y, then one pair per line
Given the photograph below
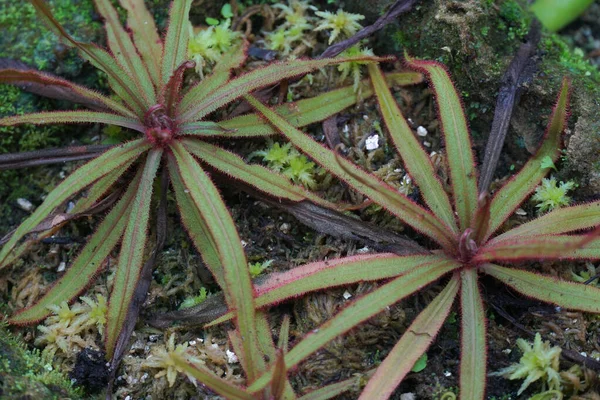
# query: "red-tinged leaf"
x,y
176,42
416,160
131,257
54,87
97,190
196,226
77,181
284,333
360,310
221,228
203,128
456,134
308,111
511,195
570,295
473,353
171,92
560,220
335,389
543,247
124,51
281,286
263,179
409,212
87,264
235,58
218,385
279,376
199,107
414,342
119,80
72,117
145,37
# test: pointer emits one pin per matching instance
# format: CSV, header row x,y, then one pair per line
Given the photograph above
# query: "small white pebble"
x,y
144,377
285,227
398,170
61,266
372,142
346,129
231,357
408,396
62,175
447,374
365,117
200,340
244,243
433,153
128,398
24,204
421,131
70,206
520,211
507,351
583,353
192,342
410,121
347,295
575,321
363,250
426,144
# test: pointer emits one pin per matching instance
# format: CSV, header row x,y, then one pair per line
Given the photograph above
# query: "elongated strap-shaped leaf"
x,y
145,36
414,342
119,80
308,111
457,139
124,51
87,264
570,295
20,77
416,160
178,35
560,220
71,117
473,350
335,389
220,386
511,195
98,189
367,184
222,230
541,247
258,176
78,180
235,58
131,257
202,128
362,309
196,226
199,107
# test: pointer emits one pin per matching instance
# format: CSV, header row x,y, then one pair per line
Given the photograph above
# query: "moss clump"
x,y
27,374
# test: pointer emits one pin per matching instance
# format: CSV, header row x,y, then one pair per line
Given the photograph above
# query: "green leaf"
x,y
211,21
88,263
458,143
361,310
198,107
258,176
124,51
367,184
547,163
176,40
416,160
410,349
202,129
335,389
473,341
511,195
69,117
131,257
570,295
222,230
226,11
78,180
145,36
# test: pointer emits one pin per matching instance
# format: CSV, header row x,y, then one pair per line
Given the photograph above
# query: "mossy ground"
x,y
475,39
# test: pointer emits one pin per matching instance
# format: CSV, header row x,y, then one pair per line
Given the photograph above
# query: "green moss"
x,y
27,374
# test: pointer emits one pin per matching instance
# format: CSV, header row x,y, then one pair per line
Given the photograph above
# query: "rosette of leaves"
x,y
465,226
146,73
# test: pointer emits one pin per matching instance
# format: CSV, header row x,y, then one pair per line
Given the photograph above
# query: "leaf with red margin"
x,y
569,295
176,41
145,37
131,257
124,51
360,310
457,139
406,210
416,160
202,129
87,264
199,107
56,88
78,180
473,349
335,389
412,345
73,117
510,196
221,228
